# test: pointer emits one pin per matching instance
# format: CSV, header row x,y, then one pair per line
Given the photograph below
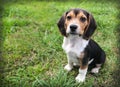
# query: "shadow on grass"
x,y
1,44
116,74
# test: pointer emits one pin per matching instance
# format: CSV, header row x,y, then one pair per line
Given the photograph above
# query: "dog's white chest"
x,y
74,46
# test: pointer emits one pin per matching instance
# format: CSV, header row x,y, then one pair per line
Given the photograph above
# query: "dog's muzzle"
x,y
73,29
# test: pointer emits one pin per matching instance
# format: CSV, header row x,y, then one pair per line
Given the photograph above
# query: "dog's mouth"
x,y
74,33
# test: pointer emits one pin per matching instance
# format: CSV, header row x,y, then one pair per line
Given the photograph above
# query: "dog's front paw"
x,y
68,67
80,78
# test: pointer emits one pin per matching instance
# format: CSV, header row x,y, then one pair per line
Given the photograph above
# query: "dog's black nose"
x,y
73,27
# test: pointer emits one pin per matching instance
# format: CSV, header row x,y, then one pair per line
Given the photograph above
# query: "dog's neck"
x,y
76,39
75,44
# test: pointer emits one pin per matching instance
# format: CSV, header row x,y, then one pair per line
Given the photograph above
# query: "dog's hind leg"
x,y
96,69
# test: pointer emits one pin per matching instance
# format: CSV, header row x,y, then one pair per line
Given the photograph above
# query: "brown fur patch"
x,y
83,25
82,55
84,67
68,21
71,17
81,59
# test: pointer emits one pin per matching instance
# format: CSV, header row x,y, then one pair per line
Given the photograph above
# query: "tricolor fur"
x,y
77,27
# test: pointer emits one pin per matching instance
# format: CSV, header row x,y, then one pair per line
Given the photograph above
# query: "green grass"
x,y
31,44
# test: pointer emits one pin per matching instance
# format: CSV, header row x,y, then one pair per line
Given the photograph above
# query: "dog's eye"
x,y
83,19
69,17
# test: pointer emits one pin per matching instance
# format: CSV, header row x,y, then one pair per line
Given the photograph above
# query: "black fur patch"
x,y
76,11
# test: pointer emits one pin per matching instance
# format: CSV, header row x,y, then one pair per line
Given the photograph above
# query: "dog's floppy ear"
x,y
61,25
90,28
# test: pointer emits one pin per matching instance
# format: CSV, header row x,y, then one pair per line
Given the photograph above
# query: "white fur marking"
x,y
74,45
81,76
68,67
90,61
96,69
76,64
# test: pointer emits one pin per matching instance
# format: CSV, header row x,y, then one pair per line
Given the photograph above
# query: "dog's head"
x,y
77,22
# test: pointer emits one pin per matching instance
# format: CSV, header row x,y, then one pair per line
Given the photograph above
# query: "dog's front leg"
x,y
82,74
69,66
82,70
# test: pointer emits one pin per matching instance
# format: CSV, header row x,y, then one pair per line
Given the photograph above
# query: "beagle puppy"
x,y
77,26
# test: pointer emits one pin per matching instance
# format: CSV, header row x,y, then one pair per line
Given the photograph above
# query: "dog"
x,y
77,26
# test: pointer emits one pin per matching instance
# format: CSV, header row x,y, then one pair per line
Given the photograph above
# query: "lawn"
x,y
31,52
